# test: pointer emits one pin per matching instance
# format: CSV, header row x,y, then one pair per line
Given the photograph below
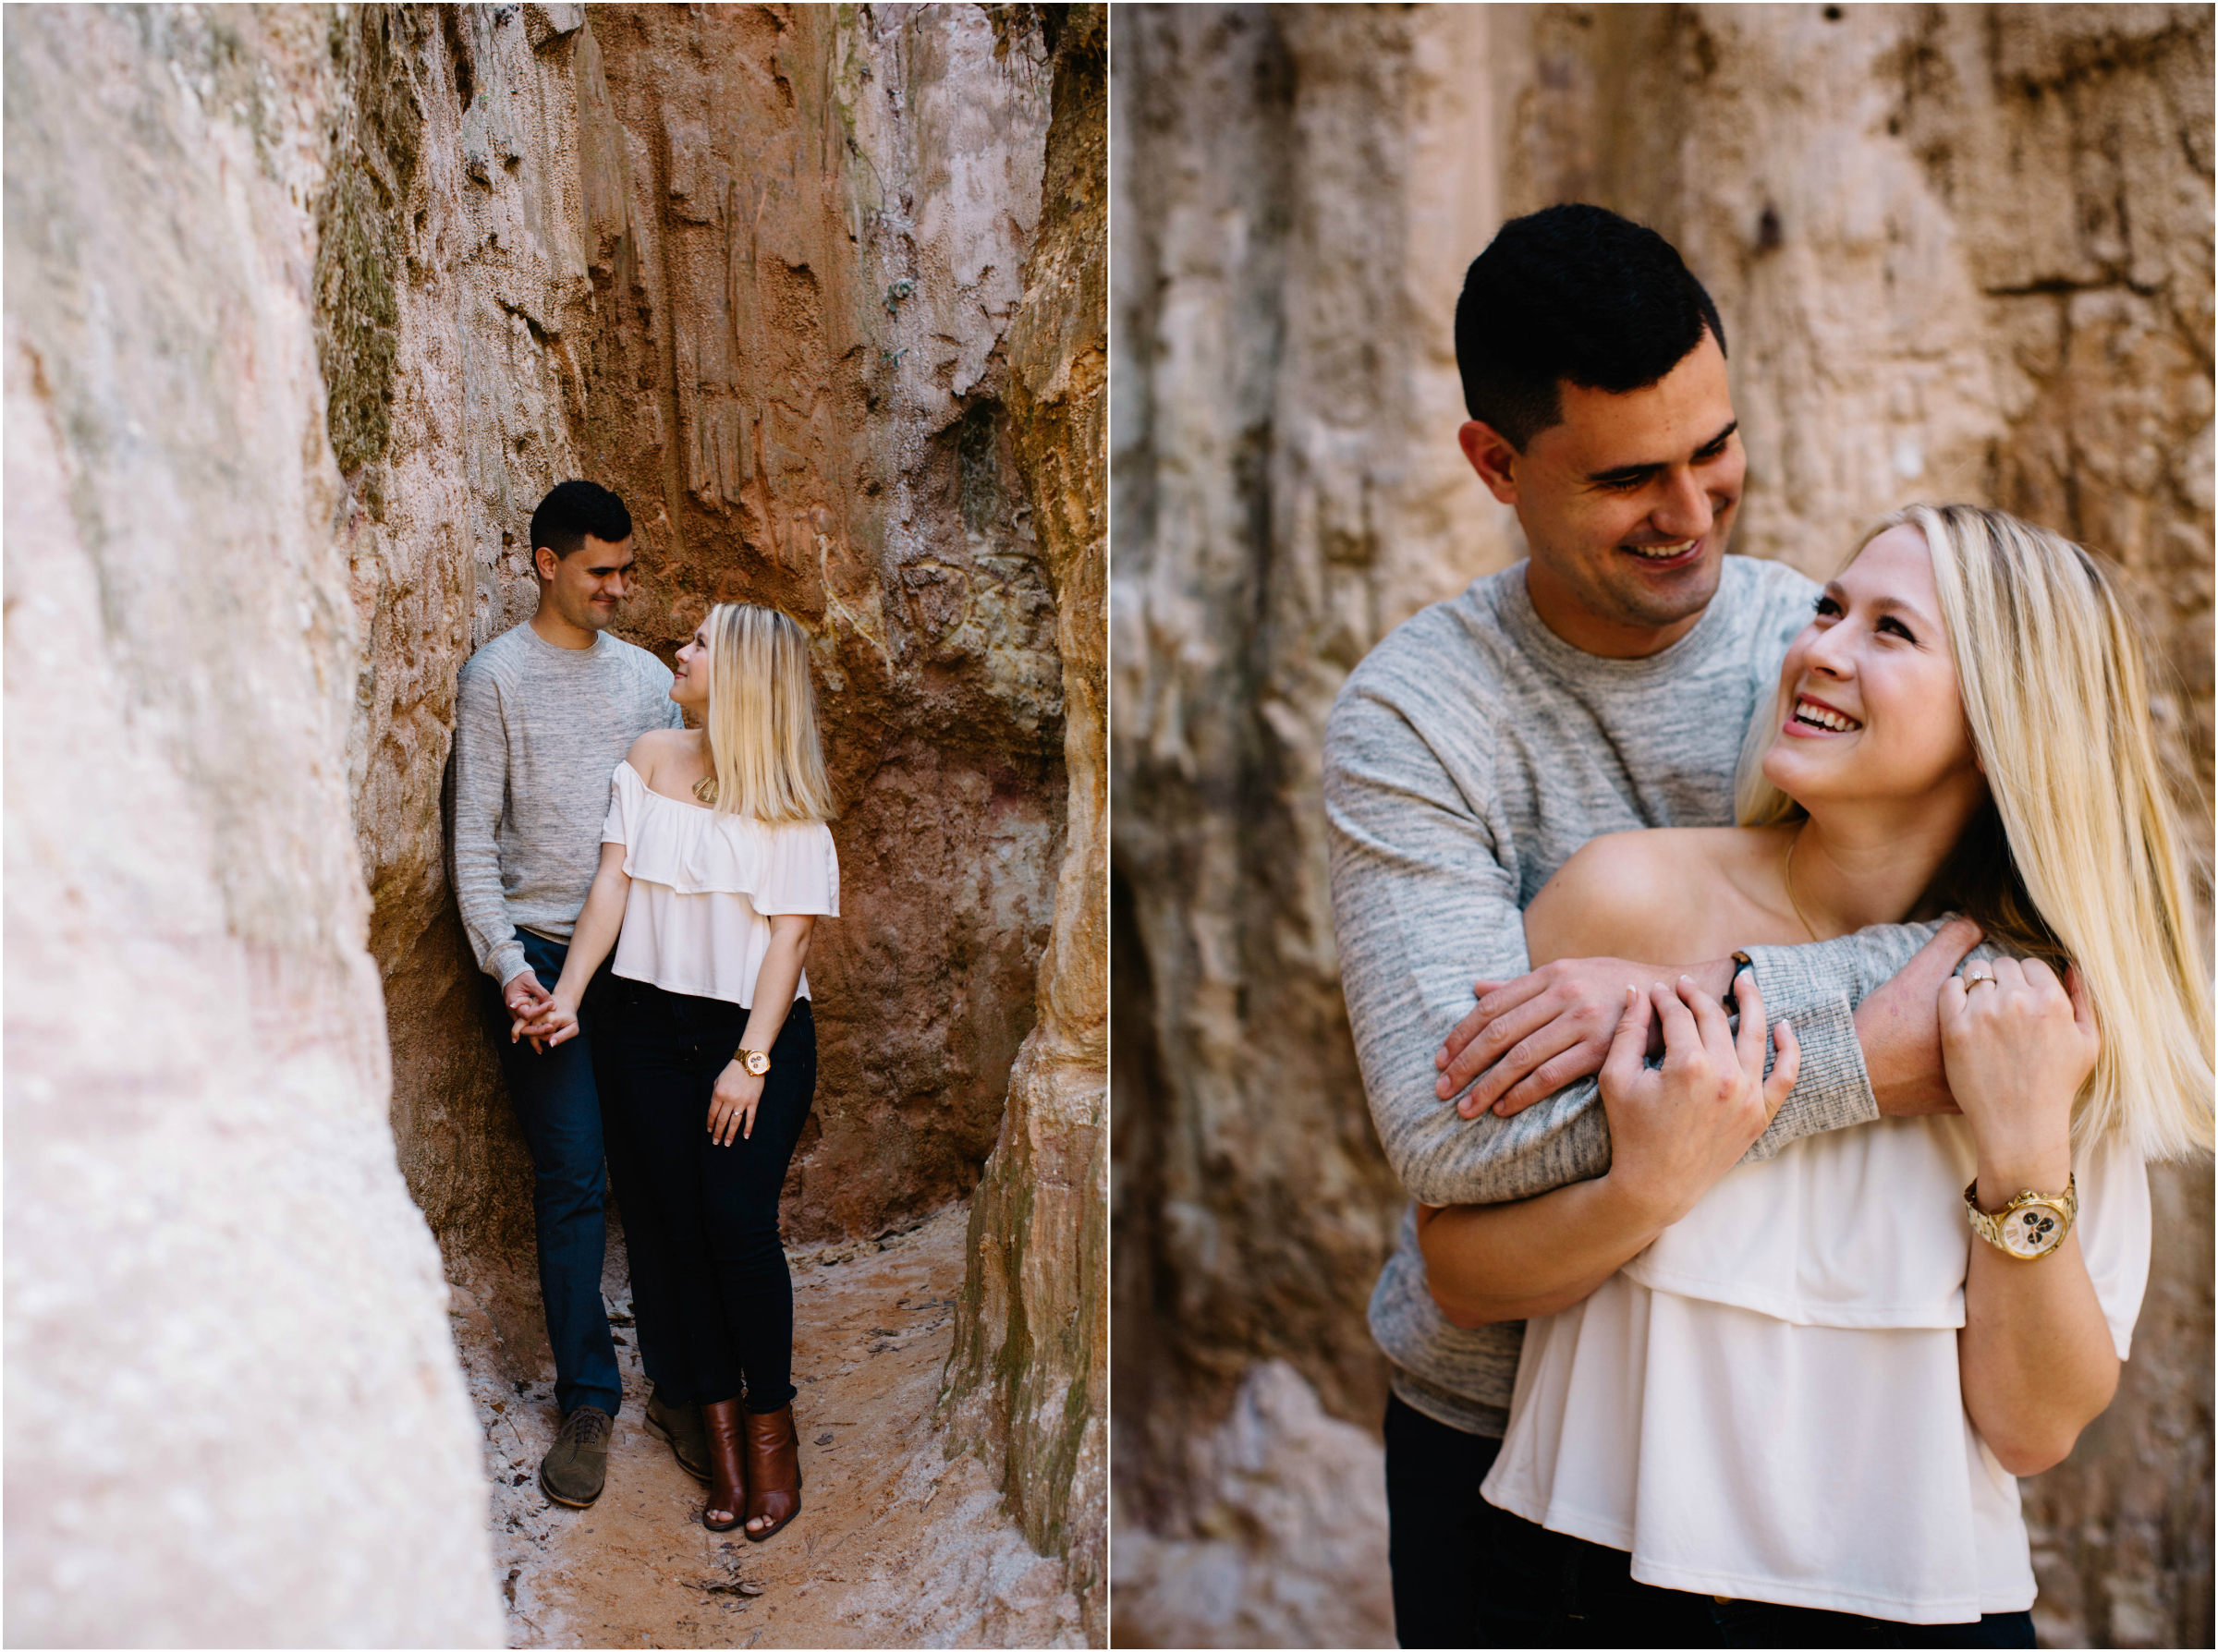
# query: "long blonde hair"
x,y
765,758
2079,856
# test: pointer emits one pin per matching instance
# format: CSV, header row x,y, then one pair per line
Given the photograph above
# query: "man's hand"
x,y
1531,1037
525,996
1899,1028
557,1021
527,1001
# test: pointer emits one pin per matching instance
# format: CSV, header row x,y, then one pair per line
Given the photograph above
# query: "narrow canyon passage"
x,y
797,283
791,335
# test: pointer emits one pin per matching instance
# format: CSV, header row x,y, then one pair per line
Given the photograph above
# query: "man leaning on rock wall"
x,y
545,711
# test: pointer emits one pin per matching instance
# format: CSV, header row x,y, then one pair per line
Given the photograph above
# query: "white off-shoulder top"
x,y
1765,1403
704,888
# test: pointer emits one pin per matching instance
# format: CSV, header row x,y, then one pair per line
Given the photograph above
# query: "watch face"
x,y
757,1062
2031,1231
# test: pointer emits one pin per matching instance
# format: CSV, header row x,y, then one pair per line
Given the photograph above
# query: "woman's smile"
x,y
1813,719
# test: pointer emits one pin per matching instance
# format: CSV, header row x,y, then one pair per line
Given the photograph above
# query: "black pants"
x,y
1545,1589
716,1208
1433,1519
1467,1573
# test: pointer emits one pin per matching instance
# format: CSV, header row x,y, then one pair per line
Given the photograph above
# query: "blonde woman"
x,y
1784,1404
715,865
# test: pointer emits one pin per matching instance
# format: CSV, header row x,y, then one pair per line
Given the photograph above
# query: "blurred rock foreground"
x,y
308,307
1960,252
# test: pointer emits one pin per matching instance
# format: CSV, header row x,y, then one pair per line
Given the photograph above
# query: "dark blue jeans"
x,y
716,1208
559,1100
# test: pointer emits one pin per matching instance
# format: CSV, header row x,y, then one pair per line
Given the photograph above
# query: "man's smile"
x,y
1685,551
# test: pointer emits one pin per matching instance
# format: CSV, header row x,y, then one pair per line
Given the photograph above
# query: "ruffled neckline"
x,y
698,809
688,848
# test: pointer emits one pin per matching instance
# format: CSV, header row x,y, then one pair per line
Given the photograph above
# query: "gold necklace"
x,y
1788,873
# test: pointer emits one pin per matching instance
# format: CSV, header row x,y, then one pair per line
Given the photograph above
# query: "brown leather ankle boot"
x,y
773,1470
727,1467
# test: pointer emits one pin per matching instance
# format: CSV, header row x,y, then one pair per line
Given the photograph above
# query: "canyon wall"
x,y
1029,1376
234,1415
1960,252
763,269
753,268
773,275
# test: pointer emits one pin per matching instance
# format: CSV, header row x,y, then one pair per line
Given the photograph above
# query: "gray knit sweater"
x,y
538,729
1467,757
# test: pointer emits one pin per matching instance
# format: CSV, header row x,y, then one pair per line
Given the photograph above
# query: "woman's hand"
x,y
555,1020
2035,1354
1525,1039
732,1105
2016,1051
1675,1130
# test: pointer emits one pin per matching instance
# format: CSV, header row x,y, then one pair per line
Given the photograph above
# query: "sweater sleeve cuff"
x,y
507,963
1833,1091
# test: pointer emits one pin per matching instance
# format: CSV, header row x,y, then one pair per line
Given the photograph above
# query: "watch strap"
x,y
1731,1001
2025,1228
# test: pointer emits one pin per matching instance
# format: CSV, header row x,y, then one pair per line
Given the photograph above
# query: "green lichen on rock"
x,y
361,228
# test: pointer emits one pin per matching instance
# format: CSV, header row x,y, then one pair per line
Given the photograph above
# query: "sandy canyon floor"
x,y
896,1544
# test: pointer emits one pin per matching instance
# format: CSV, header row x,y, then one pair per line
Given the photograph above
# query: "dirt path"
x,y
895,1544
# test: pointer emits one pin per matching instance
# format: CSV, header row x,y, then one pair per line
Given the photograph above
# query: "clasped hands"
x,y
2011,1059
1528,1038
548,1019
538,1015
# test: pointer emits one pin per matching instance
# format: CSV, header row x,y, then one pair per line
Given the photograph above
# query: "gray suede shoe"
x,y
681,1425
575,1467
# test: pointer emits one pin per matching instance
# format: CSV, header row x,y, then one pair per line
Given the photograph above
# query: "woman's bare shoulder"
x,y
656,746
1633,894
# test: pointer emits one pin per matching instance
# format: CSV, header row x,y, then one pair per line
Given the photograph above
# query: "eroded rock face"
x,y
1028,1377
796,379
772,274
1278,506
753,269
1287,1479
225,1317
1958,254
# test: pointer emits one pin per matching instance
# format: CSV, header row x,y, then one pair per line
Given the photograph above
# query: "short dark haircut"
x,y
1572,292
573,509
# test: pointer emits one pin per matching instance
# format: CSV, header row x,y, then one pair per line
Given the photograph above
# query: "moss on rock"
x,y
361,226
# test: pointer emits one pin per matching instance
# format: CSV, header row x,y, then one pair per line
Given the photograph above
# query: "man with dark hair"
x,y
574,512
1604,684
1575,295
543,715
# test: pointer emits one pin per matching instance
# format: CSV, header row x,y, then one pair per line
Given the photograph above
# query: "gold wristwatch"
x,y
755,1062
2030,1225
